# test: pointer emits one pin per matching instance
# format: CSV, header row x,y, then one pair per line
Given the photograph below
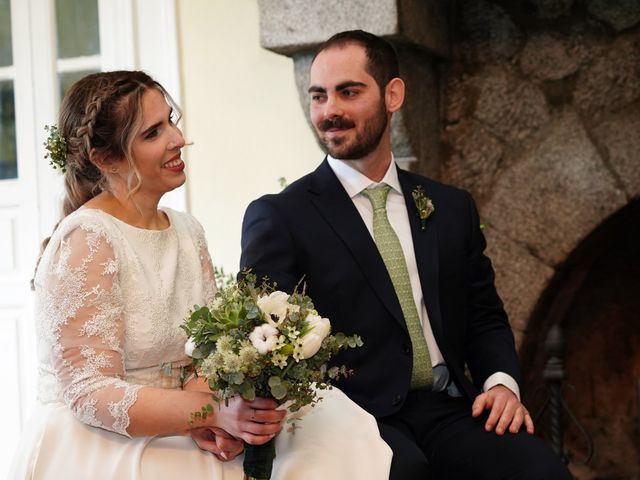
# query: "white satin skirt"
x,y
335,440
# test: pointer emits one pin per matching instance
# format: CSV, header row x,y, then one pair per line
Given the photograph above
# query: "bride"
x,y
113,284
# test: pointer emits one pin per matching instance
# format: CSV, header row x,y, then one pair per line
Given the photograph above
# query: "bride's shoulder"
x,y
88,219
80,229
182,221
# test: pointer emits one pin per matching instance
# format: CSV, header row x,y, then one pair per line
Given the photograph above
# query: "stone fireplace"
x,y
534,107
594,298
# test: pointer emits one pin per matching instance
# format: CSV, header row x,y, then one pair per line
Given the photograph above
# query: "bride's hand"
x,y
255,422
217,441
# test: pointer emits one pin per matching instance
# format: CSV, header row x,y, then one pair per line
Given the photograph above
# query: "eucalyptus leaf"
x,y
236,378
247,391
274,381
279,391
197,353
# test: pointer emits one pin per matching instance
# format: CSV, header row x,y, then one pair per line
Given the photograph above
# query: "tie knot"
x,y
377,196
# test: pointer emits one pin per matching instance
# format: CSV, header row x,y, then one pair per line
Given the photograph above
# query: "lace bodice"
x,y
109,301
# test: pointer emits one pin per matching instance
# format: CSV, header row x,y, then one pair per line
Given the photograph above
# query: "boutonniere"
x,y
423,204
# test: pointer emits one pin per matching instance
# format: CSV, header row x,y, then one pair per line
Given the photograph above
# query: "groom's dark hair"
x,y
382,61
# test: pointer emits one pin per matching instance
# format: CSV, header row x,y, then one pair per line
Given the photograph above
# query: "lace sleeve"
x,y
208,273
85,310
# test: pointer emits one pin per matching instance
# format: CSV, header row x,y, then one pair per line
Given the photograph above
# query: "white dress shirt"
x,y
354,182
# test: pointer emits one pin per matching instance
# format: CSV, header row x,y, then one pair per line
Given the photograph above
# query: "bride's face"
x,y
156,148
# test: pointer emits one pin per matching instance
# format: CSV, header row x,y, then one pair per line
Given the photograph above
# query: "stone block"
x,y
474,159
458,99
512,108
619,14
550,9
490,33
292,26
547,56
612,81
619,136
556,195
520,277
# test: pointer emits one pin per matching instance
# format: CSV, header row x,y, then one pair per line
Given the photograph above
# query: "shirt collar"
x,y
354,182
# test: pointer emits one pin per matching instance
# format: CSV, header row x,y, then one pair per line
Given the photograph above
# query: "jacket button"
x,y
397,400
406,349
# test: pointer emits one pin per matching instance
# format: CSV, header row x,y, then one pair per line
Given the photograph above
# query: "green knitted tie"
x,y
391,251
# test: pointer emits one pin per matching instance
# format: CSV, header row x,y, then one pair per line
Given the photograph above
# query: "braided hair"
x,y
100,115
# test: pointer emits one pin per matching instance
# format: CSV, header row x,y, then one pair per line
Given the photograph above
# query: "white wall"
x,y
242,113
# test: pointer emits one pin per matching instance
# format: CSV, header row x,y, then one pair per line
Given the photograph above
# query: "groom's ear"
x,y
394,95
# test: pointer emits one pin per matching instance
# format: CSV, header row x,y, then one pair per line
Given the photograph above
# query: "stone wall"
x,y
541,113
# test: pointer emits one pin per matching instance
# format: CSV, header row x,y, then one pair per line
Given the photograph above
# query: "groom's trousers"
x,y
434,436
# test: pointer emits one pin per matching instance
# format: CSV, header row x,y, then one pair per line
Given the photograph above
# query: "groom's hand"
x,y
506,411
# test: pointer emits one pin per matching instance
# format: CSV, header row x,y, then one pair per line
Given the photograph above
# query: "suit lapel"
x,y
425,245
335,206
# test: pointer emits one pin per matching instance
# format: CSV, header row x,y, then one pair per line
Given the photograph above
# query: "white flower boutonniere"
x,y
423,204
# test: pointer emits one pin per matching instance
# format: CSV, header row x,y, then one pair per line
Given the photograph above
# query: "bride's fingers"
x,y
256,439
255,422
266,416
230,447
205,440
218,442
262,403
262,428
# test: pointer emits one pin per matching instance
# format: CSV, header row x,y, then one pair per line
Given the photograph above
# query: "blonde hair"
x,y
100,112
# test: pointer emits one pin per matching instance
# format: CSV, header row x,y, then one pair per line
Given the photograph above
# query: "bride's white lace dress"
x,y
109,301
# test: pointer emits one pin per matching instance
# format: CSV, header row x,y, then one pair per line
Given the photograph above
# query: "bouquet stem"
x,y
258,460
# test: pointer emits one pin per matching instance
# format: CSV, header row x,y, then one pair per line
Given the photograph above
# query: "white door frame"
x,y
134,34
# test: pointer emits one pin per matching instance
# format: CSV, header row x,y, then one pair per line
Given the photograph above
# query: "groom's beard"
x,y
366,139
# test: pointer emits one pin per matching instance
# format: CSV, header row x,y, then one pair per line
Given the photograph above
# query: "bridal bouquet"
x,y
256,341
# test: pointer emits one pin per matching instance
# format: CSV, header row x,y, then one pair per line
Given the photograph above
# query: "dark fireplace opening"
x,y
595,300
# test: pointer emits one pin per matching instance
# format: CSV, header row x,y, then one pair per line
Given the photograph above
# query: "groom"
x,y
417,288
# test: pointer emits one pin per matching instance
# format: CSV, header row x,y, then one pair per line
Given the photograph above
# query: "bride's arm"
x,y
159,411
85,324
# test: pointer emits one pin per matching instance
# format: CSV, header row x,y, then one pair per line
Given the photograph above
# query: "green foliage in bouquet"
x,y
255,341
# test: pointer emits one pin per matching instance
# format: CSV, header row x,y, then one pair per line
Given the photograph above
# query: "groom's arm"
x,y
267,245
489,342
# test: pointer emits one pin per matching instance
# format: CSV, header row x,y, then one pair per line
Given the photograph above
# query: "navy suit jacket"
x,y
313,230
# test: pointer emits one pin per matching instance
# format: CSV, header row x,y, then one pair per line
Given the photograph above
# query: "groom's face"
x,y
347,109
